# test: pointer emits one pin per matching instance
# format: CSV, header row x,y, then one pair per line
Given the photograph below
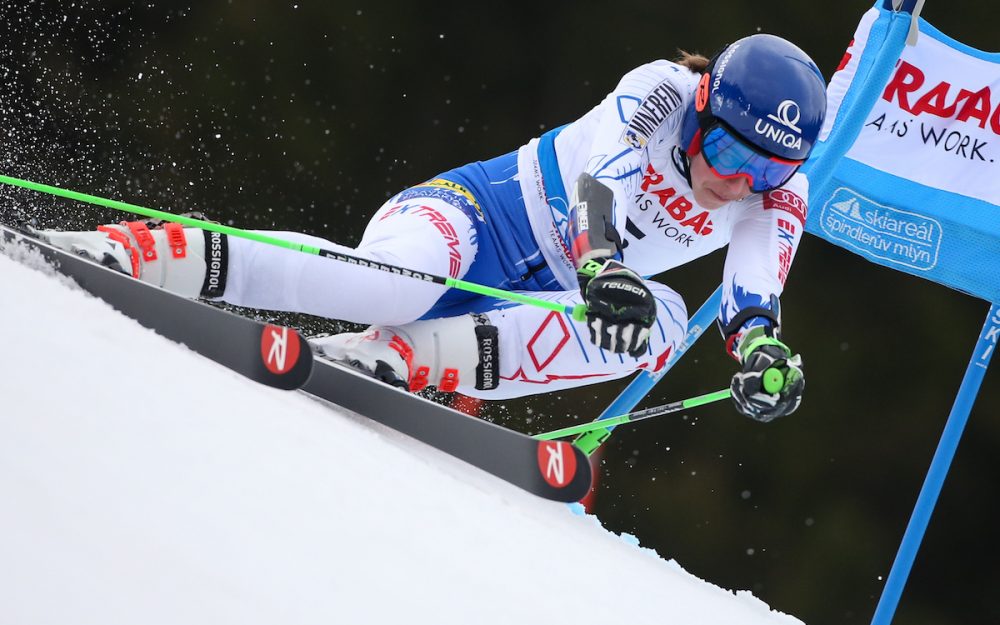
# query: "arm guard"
x,y
592,234
769,319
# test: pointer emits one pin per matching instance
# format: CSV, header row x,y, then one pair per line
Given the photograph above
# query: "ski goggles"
x,y
729,157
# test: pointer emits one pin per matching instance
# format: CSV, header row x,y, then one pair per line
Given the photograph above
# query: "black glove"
x,y
620,309
772,380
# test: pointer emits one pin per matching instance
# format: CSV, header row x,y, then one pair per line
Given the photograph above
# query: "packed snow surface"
x,y
142,483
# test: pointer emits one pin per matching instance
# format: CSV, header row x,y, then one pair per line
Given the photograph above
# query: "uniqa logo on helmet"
x,y
787,115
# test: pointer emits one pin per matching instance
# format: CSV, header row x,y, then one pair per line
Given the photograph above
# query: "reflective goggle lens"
x,y
729,157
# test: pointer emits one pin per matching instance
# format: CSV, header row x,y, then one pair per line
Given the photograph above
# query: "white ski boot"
x,y
445,353
171,257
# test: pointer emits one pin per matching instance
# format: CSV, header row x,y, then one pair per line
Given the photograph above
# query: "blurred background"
x,y
306,115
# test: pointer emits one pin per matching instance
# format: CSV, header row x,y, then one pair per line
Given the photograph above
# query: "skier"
x,y
681,159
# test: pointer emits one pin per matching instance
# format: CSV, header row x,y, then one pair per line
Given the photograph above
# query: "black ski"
x,y
280,357
269,354
551,469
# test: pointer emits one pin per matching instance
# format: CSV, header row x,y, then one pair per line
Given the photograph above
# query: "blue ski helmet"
x,y
764,89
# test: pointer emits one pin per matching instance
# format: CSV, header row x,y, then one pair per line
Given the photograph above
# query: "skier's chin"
x,y
708,199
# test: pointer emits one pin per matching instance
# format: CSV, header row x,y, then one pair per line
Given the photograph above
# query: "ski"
x,y
279,357
269,354
551,469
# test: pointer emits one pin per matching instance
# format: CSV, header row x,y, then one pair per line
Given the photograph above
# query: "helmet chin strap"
x,y
682,162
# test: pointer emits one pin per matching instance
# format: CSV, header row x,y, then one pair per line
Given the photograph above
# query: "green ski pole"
x,y
773,380
577,312
639,415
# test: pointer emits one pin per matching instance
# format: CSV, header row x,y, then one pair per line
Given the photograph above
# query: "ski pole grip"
x,y
774,380
579,312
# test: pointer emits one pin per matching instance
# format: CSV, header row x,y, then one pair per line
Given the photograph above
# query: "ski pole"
x,y
578,312
638,415
773,380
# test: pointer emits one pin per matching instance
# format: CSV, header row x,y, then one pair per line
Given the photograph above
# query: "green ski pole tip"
x,y
774,380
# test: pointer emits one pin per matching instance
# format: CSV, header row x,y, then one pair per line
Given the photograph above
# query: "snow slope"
x,y
141,483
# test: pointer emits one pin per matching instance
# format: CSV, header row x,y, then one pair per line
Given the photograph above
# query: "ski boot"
x,y
444,353
188,261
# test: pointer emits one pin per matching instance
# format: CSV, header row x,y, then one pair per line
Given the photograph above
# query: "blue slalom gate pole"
x,y
934,481
640,387
645,381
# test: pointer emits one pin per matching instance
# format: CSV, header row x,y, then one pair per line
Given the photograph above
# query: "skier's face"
x,y
711,191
